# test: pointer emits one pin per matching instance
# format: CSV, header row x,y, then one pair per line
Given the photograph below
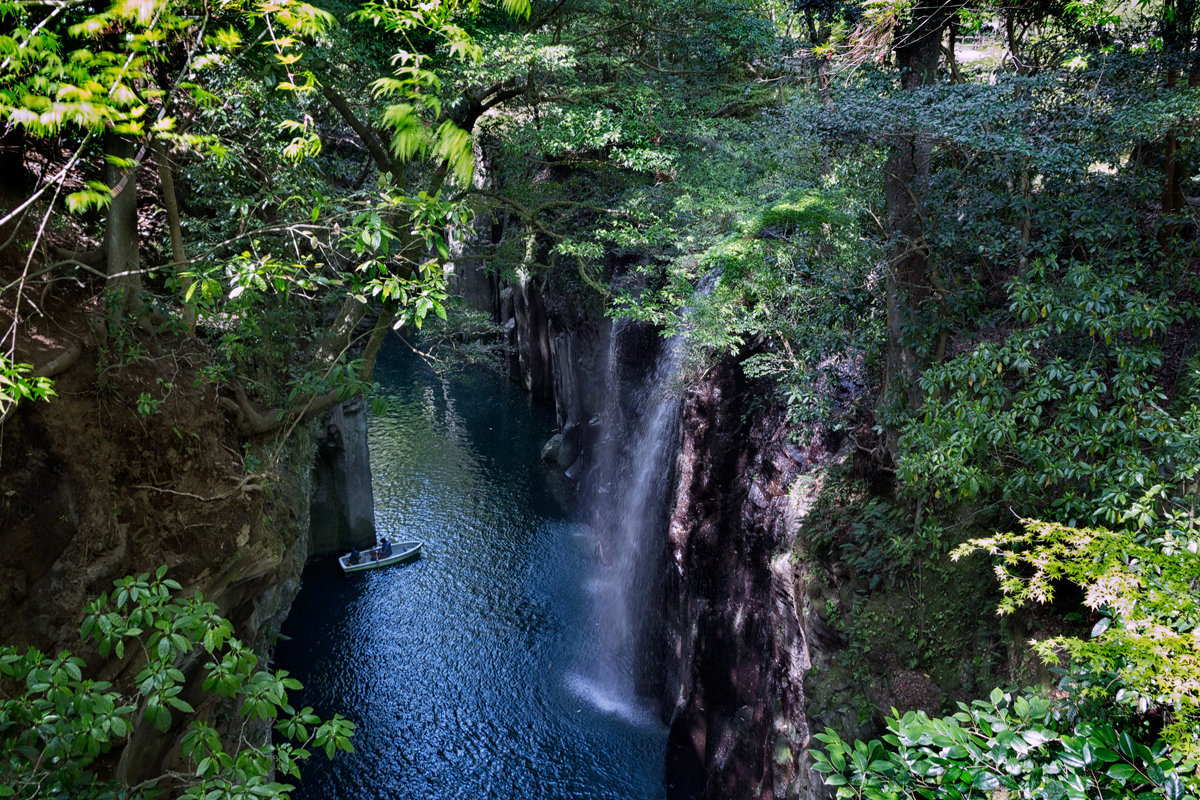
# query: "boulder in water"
x,y
572,438
552,449
575,470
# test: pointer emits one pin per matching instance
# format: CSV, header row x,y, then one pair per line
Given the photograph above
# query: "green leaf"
x,y
87,199
986,781
160,717
518,8
1035,738
1122,772
181,705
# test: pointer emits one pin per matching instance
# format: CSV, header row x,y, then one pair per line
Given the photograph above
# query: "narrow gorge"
x,y
792,400
705,600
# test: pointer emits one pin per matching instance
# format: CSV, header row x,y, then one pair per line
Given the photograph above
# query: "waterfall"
x,y
631,488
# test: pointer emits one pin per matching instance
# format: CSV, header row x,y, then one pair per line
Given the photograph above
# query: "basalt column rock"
x,y
343,505
470,277
533,340
578,350
475,284
738,626
557,348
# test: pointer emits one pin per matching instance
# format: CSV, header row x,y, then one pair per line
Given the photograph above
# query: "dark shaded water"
x,y
466,670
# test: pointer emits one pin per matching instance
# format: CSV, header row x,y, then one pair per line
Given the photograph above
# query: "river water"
x,y
466,671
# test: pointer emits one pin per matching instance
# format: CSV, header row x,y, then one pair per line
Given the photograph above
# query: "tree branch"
x,y
380,155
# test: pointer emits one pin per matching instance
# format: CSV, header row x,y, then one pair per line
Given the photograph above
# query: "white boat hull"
x,y
370,559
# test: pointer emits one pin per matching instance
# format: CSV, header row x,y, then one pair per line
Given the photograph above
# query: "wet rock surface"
x,y
342,507
556,348
739,629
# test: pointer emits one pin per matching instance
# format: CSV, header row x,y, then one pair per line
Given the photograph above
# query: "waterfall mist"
x,y
630,488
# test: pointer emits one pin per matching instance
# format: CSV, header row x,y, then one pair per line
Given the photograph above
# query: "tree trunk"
x,y
819,35
906,184
379,154
1172,192
120,229
253,422
1016,43
1178,17
951,58
167,182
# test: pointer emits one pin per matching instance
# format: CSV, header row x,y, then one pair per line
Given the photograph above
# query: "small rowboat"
x,y
370,559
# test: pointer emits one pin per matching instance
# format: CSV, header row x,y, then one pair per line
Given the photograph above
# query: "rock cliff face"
x,y
95,489
557,348
740,629
739,625
342,509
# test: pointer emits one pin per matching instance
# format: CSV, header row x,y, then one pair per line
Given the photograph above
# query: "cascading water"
x,y
455,667
633,479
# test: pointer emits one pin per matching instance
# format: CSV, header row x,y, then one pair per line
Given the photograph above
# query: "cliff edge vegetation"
x,y
983,288
202,247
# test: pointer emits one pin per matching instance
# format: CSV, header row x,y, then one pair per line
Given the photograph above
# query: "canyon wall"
x,y
556,344
95,489
740,629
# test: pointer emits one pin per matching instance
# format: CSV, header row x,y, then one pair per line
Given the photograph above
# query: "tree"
x,y
1143,652
917,43
145,80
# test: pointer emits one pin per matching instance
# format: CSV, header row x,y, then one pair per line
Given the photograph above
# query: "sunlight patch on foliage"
x,y
1149,634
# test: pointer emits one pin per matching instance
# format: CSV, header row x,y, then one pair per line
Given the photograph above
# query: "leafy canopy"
x,y
1008,745
1144,651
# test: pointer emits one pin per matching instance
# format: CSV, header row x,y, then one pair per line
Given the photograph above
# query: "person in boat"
x,y
385,547
355,556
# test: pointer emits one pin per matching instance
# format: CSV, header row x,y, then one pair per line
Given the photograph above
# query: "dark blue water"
x,y
463,670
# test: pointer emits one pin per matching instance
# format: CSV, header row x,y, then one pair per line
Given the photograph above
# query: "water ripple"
x,y
458,668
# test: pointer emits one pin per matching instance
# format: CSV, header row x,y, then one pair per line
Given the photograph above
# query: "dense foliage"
x,y
1007,328
58,724
226,99
1143,652
1013,745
